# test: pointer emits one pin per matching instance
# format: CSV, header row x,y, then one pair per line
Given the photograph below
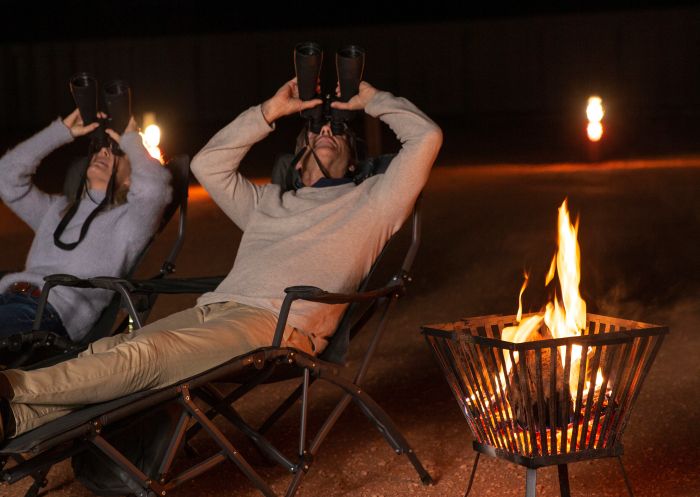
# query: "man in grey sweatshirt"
x,y
325,234
113,241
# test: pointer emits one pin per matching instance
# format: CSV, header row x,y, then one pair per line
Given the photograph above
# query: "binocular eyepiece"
x,y
117,99
349,62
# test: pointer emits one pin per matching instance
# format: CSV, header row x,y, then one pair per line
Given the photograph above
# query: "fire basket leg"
x,y
624,475
530,481
564,480
471,477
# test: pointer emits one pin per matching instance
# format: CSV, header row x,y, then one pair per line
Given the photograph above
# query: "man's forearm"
x,y
421,139
216,165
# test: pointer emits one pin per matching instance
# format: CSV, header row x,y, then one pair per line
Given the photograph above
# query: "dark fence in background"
x,y
501,84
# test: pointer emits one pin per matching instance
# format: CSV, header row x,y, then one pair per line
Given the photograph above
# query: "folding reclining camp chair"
x,y
38,346
95,428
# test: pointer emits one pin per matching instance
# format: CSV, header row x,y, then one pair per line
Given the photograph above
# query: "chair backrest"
x,y
286,176
405,241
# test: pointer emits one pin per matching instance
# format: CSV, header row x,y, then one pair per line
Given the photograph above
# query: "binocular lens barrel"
x,y
350,63
83,87
308,57
118,100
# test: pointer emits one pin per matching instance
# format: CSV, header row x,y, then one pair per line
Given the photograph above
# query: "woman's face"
x,y
100,170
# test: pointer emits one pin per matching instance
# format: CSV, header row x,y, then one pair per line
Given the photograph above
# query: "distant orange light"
x,y
197,193
595,113
594,131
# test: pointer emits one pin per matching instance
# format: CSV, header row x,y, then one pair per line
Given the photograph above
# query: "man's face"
x,y
100,169
333,151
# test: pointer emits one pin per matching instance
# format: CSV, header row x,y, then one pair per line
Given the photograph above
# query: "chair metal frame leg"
x,y
217,401
225,444
624,476
374,413
312,369
39,476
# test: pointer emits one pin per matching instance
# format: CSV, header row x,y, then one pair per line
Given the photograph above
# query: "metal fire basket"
x,y
546,402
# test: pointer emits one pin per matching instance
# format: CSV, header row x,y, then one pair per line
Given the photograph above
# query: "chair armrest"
x,y
156,285
70,280
118,285
313,294
126,288
177,285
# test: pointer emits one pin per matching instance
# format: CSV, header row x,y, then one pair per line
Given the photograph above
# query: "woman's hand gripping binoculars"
x,y
116,96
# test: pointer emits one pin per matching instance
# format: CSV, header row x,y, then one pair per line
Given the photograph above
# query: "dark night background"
x,y
507,81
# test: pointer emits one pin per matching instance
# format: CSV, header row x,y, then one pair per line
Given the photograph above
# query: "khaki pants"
x,y
160,354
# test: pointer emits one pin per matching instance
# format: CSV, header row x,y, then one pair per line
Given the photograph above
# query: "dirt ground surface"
x,y
639,234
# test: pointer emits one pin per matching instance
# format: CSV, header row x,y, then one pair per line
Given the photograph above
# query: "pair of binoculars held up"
x,y
349,62
116,97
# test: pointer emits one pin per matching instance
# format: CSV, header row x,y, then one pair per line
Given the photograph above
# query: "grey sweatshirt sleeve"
x,y
216,165
18,166
396,192
149,191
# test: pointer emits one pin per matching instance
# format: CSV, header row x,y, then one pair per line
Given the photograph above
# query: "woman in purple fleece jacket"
x,y
112,242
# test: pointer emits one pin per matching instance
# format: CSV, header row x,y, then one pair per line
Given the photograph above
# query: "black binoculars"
x,y
117,99
349,62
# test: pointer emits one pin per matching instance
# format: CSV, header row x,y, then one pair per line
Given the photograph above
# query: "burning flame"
x,y
503,409
565,317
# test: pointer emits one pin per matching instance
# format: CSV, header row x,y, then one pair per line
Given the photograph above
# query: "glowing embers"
x,y
530,409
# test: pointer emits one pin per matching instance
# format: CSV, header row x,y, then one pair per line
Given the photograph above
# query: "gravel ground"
x,y
639,231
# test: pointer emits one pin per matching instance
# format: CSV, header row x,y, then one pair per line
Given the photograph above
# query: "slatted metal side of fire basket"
x,y
549,401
